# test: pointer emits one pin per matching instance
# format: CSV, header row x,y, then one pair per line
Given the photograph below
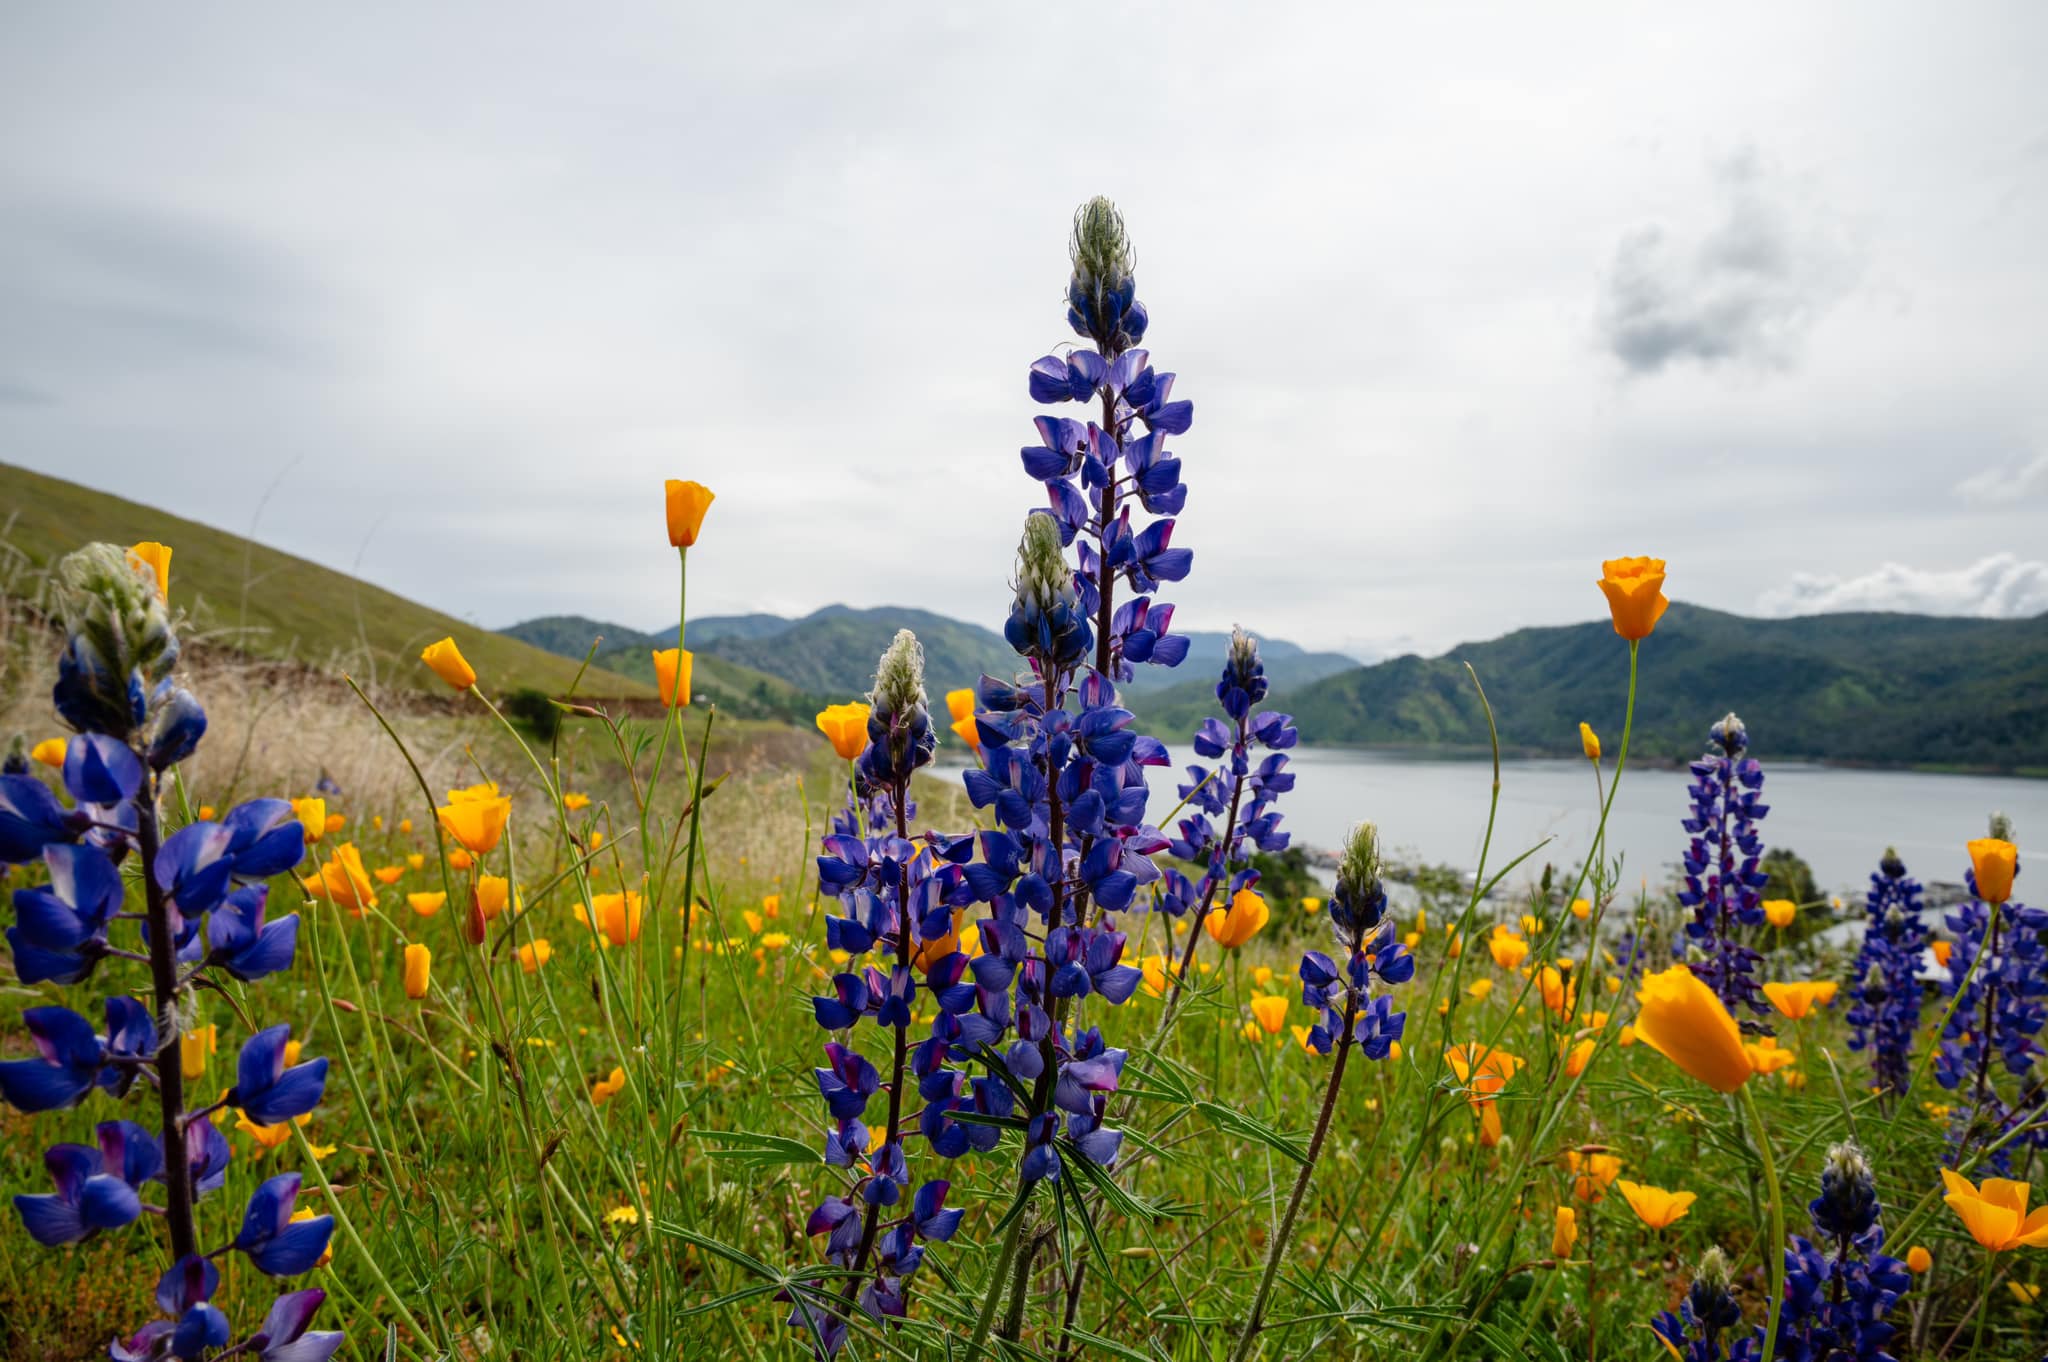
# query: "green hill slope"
x,y
1866,688
269,604
628,652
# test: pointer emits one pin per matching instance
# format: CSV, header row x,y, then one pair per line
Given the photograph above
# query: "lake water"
x,y
1839,820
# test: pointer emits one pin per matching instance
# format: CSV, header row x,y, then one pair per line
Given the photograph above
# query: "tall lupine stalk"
x,y
1723,881
1352,1016
132,725
1998,989
1886,1014
1235,791
1241,795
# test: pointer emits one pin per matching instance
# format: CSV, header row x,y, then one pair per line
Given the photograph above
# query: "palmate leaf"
x,y
756,1150
1235,1122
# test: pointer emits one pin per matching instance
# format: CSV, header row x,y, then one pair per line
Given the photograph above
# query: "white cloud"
x,y
2005,484
2002,586
1746,290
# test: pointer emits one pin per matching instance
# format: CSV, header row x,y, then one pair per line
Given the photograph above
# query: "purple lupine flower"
x,y
265,838
60,932
31,818
1886,1014
176,724
130,1044
90,1196
1708,1314
242,943
1723,881
1839,1285
184,1292
71,1056
287,1334
273,1242
268,1092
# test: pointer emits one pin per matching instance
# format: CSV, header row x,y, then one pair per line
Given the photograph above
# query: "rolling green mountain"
x,y
1880,689
831,653
1287,664
742,691
264,603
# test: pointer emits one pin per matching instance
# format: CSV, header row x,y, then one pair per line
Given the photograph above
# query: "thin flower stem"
x,y
1277,1252
1774,1248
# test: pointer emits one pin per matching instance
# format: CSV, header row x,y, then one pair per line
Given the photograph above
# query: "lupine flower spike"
x,y
205,909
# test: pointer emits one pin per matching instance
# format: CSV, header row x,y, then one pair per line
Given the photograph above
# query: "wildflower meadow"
x,y
976,1024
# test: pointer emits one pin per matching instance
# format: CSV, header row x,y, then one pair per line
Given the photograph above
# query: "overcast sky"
x,y
1466,297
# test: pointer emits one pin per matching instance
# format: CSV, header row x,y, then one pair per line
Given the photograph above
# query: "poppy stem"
x,y
1774,1254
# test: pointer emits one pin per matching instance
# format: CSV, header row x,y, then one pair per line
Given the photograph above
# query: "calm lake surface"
x,y
1840,820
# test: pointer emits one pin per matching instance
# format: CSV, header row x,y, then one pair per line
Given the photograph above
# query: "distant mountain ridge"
x,y
1877,689
831,652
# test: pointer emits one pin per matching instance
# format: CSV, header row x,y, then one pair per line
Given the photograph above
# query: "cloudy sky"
x,y
1466,297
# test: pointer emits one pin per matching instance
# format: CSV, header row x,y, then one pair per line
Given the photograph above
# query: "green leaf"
x,y
757,1150
1235,1122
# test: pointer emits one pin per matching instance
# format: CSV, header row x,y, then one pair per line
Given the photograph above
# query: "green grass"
x,y
269,604
478,1177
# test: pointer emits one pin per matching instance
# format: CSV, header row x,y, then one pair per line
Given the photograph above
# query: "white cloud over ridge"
x,y
2002,586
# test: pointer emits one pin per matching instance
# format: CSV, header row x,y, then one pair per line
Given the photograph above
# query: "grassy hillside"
x,y
269,604
628,652
1868,688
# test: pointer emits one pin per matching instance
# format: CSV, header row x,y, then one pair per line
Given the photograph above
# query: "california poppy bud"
x,y
474,923
686,503
448,663
1993,862
157,558
419,966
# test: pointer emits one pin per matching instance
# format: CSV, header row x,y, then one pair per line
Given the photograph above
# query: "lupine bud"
x,y
120,639
176,724
1244,676
1360,899
1847,1205
1046,620
1890,864
1102,295
2001,827
1730,734
900,735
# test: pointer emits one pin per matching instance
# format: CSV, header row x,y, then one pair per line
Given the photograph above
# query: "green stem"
x,y
1774,1249
998,1278
1277,1252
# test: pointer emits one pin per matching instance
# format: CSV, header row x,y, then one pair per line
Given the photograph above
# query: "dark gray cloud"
x,y
1746,290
